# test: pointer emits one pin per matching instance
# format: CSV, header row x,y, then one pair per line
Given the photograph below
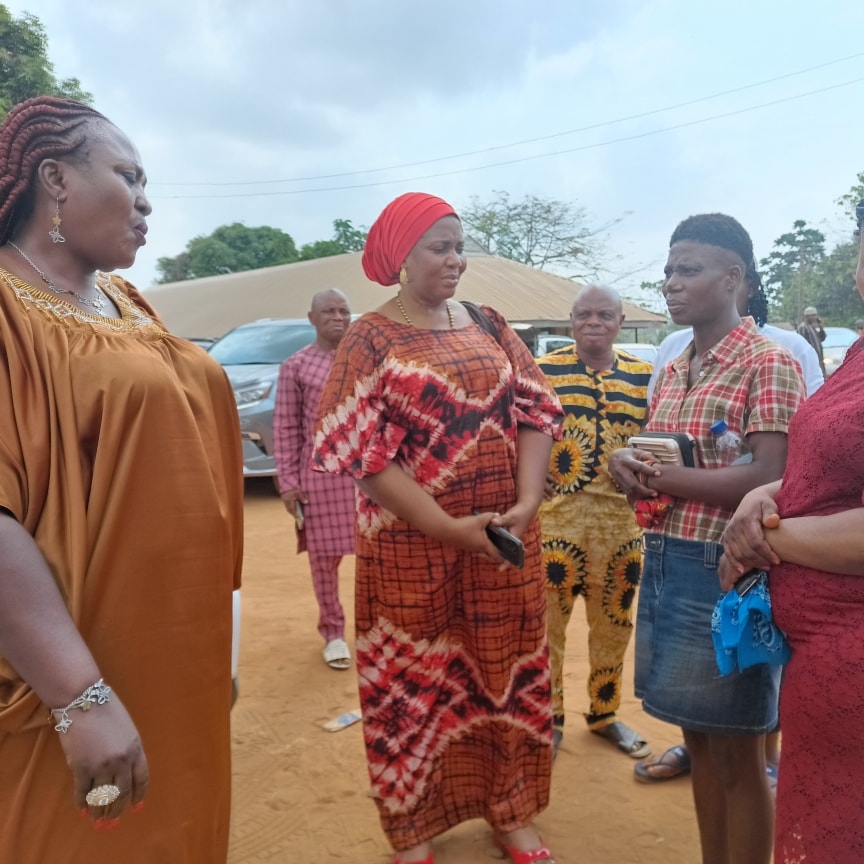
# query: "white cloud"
x,y
220,93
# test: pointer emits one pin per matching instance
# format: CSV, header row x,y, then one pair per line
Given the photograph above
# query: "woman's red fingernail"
x,y
137,808
105,824
85,813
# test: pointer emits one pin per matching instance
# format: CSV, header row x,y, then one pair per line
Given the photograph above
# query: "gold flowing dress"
x,y
120,455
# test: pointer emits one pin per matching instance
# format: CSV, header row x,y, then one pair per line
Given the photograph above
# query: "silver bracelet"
x,y
96,694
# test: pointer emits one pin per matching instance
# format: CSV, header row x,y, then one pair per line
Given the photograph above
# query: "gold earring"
x,y
54,233
403,276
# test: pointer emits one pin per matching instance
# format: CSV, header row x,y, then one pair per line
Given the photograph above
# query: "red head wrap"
x,y
395,232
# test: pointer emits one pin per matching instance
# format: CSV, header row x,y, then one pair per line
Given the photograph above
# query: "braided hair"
x,y
45,127
757,305
718,229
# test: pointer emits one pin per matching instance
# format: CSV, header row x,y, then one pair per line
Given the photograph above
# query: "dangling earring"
x,y
403,276
54,233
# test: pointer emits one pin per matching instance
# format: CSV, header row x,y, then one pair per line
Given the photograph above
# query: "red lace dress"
x,y
819,817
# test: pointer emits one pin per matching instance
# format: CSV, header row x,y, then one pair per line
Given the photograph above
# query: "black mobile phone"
x,y
747,581
510,546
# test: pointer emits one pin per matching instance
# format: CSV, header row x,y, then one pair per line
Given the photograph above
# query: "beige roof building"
x,y
211,306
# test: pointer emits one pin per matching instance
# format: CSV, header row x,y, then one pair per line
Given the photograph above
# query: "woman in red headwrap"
x,y
446,423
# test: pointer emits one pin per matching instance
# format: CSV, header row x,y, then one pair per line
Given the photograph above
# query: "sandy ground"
x,y
300,792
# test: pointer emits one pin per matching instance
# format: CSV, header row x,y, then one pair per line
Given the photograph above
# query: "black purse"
x,y
481,319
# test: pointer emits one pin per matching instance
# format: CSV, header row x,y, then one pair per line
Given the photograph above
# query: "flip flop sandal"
x,y
632,743
337,655
674,762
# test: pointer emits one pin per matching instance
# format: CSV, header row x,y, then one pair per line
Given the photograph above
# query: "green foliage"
x,y
346,238
800,271
836,296
793,270
848,201
25,70
234,248
229,249
536,231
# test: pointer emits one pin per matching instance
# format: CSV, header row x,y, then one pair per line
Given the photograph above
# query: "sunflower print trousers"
x,y
592,548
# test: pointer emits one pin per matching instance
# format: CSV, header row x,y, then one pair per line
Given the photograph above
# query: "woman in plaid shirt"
x,y
728,372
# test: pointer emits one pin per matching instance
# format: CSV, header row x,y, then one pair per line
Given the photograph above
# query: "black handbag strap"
x,y
481,319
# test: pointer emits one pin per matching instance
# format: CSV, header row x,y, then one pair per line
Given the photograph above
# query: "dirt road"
x,y
300,792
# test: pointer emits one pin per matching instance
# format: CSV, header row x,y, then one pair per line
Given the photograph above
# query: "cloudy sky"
x,y
293,114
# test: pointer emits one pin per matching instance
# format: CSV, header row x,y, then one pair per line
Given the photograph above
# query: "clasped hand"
x,y
470,533
630,470
745,543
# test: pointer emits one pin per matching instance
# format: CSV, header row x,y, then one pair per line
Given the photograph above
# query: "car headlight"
x,y
253,392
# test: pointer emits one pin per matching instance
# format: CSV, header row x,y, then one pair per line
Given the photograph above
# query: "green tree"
x,y
538,232
346,238
229,249
25,70
792,272
835,295
848,201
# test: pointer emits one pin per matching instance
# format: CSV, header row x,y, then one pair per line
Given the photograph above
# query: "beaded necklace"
x,y
410,323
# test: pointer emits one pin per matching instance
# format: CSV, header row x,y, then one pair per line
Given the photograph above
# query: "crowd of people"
x,y
480,492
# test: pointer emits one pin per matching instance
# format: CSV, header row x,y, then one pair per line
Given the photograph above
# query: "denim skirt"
x,y
676,670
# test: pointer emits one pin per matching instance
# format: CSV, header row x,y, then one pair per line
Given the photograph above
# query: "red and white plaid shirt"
x,y
748,381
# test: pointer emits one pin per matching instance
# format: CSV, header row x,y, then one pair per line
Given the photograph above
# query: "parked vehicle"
x,y
251,355
548,342
835,346
201,342
642,350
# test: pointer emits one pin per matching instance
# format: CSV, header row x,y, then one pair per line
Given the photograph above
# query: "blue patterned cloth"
x,y
743,631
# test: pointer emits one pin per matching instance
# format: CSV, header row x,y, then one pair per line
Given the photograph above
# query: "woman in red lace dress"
x,y
808,531
437,418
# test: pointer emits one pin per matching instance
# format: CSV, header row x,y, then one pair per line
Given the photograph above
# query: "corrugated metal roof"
x,y
214,304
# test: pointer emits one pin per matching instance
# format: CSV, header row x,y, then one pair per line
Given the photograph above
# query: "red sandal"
x,y
518,856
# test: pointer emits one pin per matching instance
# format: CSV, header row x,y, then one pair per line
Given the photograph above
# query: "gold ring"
x,y
102,796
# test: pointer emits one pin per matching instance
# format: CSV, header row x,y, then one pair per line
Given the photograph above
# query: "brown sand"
x,y
300,792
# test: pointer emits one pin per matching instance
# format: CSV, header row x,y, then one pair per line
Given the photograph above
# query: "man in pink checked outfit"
x,y
325,519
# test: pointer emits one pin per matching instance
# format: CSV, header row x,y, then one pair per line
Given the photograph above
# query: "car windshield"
x,y
553,344
643,350
839,337
262,343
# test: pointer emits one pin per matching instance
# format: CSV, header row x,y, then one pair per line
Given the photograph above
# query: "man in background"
x,y
321,504
591,542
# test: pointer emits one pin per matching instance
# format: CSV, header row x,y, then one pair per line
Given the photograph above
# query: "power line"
x,y
520,159
498,147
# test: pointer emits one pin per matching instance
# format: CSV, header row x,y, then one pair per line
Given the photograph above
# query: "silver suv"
x,y
251,355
